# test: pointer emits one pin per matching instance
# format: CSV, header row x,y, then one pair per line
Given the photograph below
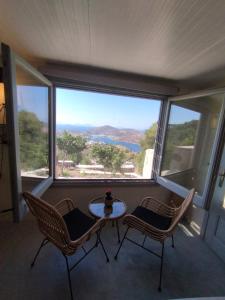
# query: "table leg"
x,y
118,231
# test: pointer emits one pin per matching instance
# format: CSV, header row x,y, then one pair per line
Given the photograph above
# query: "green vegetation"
x,y
148,142
110,156
75,148
71,147
33,142
179,135
34,146
65,173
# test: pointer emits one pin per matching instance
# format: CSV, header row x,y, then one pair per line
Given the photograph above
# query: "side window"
x,y
33,121
28,102
190,138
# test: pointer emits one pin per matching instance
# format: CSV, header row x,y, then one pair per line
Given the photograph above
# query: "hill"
x,y
119,134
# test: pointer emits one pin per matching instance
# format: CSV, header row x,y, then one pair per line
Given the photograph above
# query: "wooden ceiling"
x,y
182,40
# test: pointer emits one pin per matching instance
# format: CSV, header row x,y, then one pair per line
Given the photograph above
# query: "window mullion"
x,y
159,139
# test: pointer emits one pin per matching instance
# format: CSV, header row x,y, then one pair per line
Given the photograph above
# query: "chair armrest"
x,y
97,226
136,223
64,206
159,207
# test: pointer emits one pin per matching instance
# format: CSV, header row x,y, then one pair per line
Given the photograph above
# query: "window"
x,y
33,123
190,140
29,122
104,136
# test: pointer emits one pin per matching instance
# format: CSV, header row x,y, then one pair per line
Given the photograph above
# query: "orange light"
x,y
2,104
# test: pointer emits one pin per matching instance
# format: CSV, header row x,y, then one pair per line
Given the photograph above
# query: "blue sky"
x,y
179,115
98,109
33,99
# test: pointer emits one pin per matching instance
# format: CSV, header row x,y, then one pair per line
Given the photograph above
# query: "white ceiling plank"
x,y
181,40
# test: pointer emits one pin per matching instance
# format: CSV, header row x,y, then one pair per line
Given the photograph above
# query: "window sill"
x,y
105,182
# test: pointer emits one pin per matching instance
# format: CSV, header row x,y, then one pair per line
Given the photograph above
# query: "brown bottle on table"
x,y
108,199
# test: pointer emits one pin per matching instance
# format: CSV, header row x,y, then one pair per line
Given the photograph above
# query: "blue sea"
x,y
104,139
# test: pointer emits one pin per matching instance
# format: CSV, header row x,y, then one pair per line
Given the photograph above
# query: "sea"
x,y
107,140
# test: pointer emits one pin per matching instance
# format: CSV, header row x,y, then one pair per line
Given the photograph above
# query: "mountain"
x,y
72,128
119,134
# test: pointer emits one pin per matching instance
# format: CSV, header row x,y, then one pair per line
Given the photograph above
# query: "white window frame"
x,y
106,90
10,60
174,187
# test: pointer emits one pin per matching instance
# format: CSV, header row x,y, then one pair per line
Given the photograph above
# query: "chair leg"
x,y
103,248
143,243
118,231
84,249
69,279
161,269
115,257
96,243
173,241
44,242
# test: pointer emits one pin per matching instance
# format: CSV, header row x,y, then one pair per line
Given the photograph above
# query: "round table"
x,y
98,210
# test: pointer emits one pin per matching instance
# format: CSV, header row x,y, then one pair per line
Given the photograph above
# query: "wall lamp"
x,y
2,111
2,100
2,104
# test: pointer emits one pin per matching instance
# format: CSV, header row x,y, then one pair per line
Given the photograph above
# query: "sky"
x,y
98,109
179,115
33,99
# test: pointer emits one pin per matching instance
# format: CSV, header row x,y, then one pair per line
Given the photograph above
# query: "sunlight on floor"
x,y
185,230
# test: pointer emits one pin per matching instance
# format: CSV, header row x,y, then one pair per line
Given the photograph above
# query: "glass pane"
x,y
32,101
104,136
190,138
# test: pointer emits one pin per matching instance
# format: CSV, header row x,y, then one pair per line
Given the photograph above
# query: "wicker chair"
x,y
66,227
155,220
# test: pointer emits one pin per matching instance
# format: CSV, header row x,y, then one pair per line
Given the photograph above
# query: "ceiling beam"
x,y
79,74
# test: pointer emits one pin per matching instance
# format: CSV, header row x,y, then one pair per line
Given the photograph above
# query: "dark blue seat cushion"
x,y
152,218
77,223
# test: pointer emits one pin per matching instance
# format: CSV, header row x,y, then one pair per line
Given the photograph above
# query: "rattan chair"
x,y
66,227
155,220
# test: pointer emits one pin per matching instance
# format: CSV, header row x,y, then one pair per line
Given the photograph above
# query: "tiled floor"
x,y
190,270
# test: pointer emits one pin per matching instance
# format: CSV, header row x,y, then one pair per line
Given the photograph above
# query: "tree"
x,y
71,146
110,156
33,141
179,135
148,142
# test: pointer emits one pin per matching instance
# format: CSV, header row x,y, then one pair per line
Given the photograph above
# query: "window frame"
x,y
45,183
10,60
79,86
204,199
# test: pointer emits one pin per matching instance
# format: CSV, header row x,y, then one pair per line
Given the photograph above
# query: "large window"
x,y
190,139
104,136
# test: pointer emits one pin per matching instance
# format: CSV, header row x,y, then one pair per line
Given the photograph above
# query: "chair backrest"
x,y
182,209
50,222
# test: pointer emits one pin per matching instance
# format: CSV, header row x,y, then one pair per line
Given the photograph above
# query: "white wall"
x,y
130,194
83,194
